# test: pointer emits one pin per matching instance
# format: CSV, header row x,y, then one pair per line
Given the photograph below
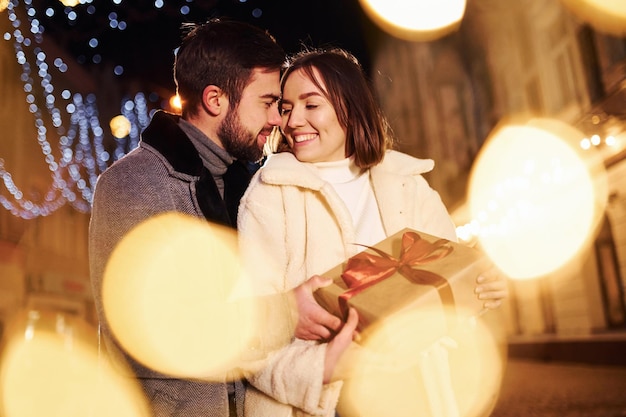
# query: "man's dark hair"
x,y
222,53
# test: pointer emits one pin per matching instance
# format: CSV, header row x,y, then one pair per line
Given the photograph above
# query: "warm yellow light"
x,y
585,143
3,5
412,364
70,3
610,140
595,140
51,366
417,20
168,296
537,198
608,16
120,126
176,103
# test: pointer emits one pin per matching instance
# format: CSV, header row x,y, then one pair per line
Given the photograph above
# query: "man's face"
x,y
245,129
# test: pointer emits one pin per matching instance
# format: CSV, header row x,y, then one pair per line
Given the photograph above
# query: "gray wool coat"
x,y
164,173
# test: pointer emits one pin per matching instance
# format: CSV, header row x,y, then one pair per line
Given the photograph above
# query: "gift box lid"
x,y
410,269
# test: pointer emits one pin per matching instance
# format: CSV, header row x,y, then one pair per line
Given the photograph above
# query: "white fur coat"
x,y
292,225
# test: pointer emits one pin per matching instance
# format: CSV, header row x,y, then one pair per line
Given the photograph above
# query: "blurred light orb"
x,y
537,198
51,366
70,3
409,365
168,297
176,103
608,16
120,126
417,20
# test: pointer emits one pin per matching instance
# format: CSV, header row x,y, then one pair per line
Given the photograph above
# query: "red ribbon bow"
x,y
365,269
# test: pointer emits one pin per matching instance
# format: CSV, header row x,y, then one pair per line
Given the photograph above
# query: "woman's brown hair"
x,y
348,90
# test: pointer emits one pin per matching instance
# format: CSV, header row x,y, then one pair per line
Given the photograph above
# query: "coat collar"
x,y
164,135
285,169
393,181
167,138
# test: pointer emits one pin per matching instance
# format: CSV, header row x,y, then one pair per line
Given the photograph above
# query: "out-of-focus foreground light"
x,y
535,198
120,126
51,366
608,16
409,365
417,20
3,5
168,296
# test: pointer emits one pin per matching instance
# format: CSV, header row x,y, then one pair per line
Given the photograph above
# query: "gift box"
x,y
428,348
408,270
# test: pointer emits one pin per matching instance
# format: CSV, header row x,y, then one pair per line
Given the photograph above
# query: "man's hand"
x,y
491,288
333,368
314,323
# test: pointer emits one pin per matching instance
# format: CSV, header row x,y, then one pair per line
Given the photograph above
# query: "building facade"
x,y
443,98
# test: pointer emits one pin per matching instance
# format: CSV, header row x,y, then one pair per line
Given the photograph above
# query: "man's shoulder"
x,y
139,161
133,172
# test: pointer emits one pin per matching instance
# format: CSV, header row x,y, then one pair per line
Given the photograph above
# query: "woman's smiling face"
x,y
309,120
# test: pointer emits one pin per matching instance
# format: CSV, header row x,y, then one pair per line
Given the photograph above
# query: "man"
x,y
227,75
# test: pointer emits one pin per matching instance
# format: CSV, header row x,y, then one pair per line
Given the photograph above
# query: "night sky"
x,y
144,47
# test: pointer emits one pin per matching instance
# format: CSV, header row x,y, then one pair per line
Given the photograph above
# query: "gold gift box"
x,y
408,270
428,350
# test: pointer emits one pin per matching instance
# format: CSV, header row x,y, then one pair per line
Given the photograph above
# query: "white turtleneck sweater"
x,y
355,189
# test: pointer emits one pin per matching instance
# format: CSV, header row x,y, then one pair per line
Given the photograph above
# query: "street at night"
x,y
565,389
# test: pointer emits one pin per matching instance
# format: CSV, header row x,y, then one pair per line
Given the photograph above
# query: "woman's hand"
x,y
491,288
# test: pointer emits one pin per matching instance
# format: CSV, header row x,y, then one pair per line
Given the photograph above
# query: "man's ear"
x,y
214,100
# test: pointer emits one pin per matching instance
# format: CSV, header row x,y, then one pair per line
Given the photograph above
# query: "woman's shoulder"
x,y
280,159
284,169
405,164
279,173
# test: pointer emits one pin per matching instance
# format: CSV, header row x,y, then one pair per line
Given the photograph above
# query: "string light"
x,y
136,111
67,124
80,155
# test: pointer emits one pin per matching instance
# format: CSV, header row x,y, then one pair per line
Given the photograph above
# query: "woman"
x,y
304,210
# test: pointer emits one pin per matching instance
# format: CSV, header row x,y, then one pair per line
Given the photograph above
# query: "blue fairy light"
x,y
74,118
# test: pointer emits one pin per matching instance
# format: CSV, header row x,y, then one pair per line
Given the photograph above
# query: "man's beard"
x,y
237,141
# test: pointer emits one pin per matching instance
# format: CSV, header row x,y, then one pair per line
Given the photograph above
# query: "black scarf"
x,y
167,138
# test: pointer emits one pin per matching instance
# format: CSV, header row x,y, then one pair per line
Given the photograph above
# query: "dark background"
x,y
145,48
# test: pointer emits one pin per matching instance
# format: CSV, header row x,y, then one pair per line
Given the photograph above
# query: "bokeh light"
x,y
535,199
417,20
608,16
409,365
70,3
168,295
120,126
51,366
176,103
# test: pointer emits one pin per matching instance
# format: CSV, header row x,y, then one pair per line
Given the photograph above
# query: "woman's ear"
x,y
214,100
